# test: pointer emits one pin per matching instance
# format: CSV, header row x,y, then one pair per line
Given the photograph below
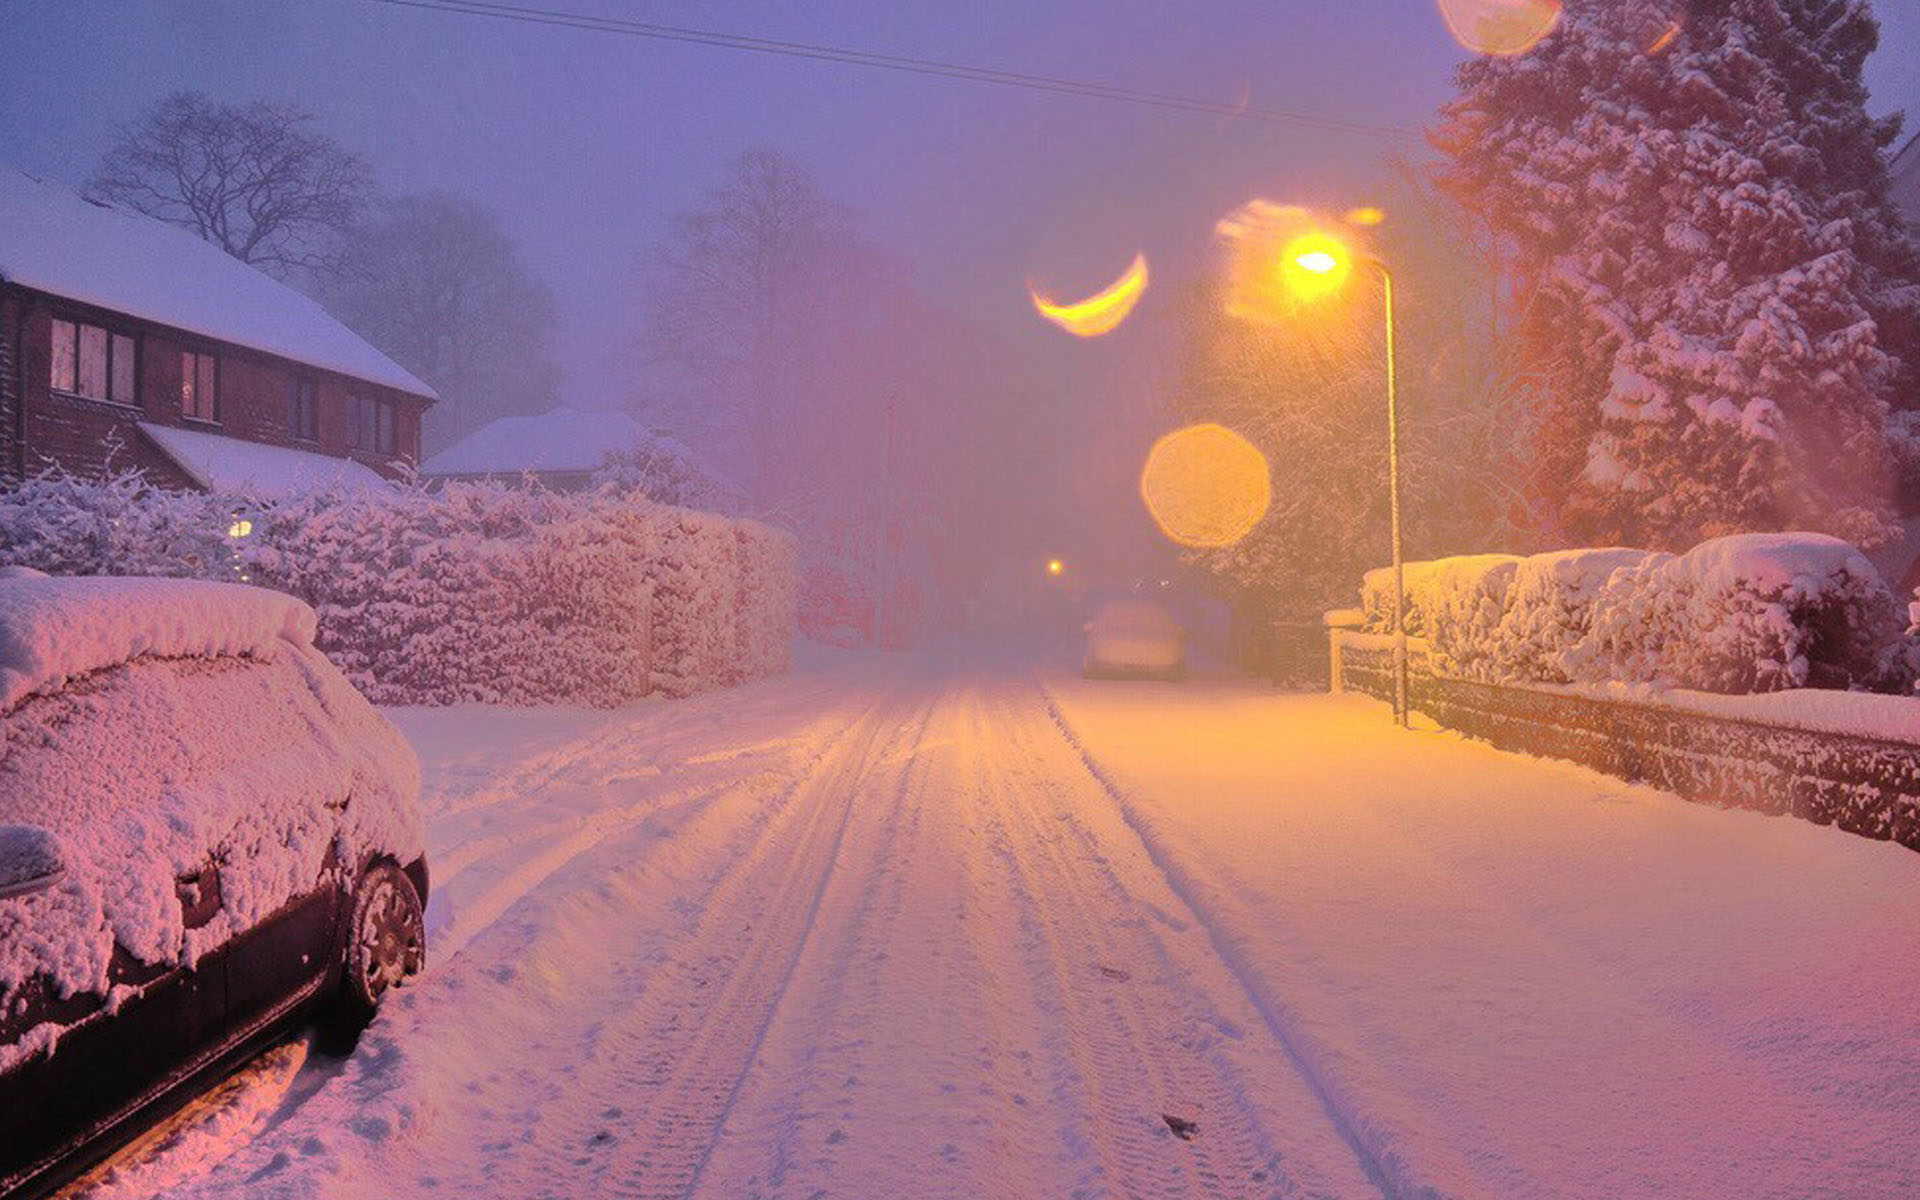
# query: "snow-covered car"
x,y
206,836
1135,639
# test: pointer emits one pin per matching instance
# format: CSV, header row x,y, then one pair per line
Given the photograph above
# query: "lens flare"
x,y
1206,486
1502,27
1255,239
1099,313
1365,216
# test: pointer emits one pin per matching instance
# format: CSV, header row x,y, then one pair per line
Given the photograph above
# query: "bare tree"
x,y
436,283
781,342
258,181
762,308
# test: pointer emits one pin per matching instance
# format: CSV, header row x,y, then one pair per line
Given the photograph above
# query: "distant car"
x,y
206,836
1135,639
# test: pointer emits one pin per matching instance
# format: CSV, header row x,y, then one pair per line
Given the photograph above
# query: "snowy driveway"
x,y
945,926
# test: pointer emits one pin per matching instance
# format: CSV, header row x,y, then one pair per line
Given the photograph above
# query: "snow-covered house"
x,y
562,448
128,342
572,449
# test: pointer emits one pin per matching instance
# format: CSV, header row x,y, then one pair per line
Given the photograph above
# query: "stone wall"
x,y
1864,785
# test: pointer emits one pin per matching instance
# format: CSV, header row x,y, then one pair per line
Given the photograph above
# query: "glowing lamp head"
x,y
1314,265
1055,567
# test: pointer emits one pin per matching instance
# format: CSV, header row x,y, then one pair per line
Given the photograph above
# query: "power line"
x,y
895,62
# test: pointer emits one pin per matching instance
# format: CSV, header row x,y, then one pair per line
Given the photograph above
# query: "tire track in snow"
x,y
700,1042
909,1049
1159,1043
1346,1120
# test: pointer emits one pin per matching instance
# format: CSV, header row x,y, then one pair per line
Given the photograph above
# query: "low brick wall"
x,y
1863,785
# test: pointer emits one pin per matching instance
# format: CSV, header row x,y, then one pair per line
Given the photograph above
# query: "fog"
x,y
1013,442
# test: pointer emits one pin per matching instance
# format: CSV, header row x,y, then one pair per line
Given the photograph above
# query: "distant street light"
x,y
1055,567
1313,265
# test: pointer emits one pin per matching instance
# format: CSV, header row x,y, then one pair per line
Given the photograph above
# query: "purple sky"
x,y
583,141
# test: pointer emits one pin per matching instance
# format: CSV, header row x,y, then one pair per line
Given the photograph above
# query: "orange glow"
x,y
1315,265
1206,486
1666,39
1099,313
1055,567
1502,27
1263,242
1365,216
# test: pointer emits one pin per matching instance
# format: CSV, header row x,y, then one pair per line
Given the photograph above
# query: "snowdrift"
x,y
1740,614
478,592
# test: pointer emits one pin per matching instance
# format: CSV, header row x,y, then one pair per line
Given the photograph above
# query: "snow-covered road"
x,y
942,925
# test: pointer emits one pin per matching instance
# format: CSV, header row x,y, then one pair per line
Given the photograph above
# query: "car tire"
x,y
385,944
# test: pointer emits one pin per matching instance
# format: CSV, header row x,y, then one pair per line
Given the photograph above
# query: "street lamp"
x,y
1313,265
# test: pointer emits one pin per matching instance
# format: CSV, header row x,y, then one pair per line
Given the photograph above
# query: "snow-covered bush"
x,y
1429,586
667,473
1463,601
1746,613
1542,633
1757,612
65,525
477,592
767,582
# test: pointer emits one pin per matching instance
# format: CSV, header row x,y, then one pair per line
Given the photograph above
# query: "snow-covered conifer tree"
x,y
1695,204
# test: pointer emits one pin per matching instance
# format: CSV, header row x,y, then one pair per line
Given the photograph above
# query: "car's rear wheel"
x,y
386,942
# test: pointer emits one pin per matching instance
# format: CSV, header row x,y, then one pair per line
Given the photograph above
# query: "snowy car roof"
x,y
561,439
228,464
55,241
55,629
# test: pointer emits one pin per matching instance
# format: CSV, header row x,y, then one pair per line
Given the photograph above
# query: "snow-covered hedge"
x,y
1747,613
1543,633
478,592
1429,586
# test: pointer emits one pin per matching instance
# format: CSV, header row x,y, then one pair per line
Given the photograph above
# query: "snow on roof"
x,y
54,241
229,464
561,439
52,630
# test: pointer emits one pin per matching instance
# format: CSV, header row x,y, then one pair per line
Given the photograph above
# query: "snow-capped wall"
x,y
1746,613
1850,760
477,592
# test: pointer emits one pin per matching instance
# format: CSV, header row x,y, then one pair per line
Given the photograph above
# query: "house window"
x,y
373,424
303,408
198,391
92,362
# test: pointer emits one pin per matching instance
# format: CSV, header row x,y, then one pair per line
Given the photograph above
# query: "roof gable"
x,y
55,241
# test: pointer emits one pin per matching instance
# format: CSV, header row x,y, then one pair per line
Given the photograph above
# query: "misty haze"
x,y
1270,599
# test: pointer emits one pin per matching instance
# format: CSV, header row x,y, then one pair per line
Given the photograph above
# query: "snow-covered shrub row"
x,y
1549,613
1429,586
768,583
1747,613
1750,613
476,592
65,525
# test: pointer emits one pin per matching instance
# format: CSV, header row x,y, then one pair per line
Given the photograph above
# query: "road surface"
x,y
951,925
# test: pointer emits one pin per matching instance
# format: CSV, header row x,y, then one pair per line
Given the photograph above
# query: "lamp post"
x,y
1325,263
